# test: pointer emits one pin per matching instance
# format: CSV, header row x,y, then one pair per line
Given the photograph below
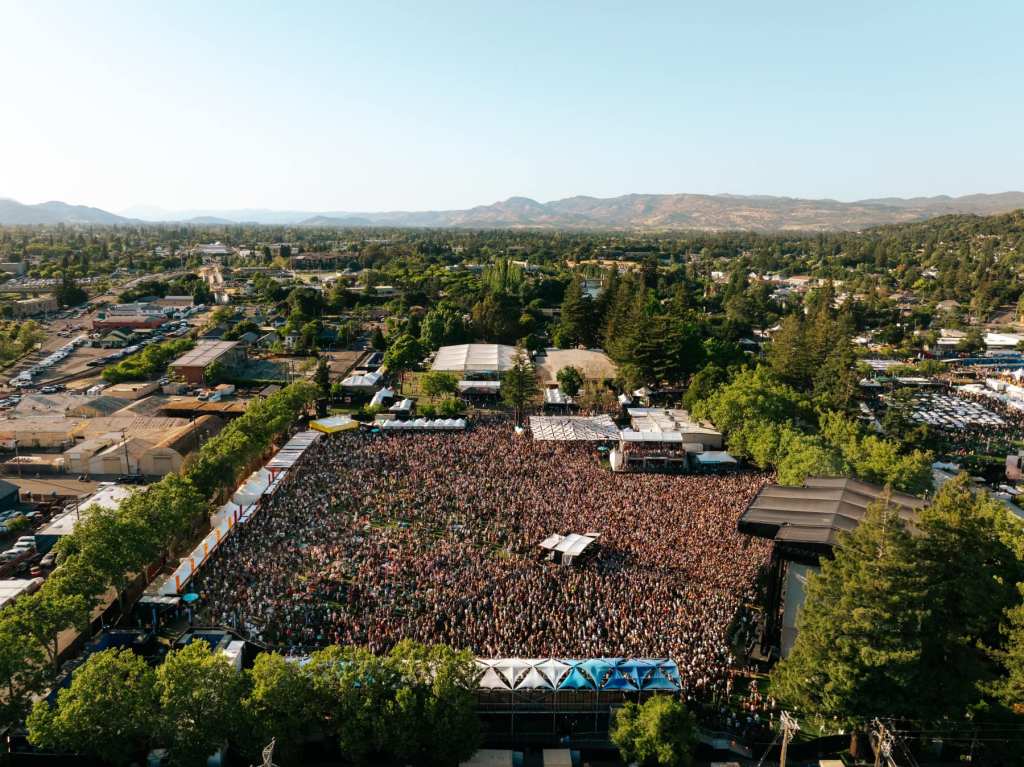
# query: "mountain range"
x,y
650,212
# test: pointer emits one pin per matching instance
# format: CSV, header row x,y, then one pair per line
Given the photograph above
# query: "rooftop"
x,y
817,511
205,353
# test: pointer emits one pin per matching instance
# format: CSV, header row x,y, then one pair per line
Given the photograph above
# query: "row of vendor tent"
x,y
597,674
239,509
424,424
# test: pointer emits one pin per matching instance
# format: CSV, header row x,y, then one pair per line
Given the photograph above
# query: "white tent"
x,y
381,395
534,680
512,669
553,670
255,486
475,358
365,381
491,679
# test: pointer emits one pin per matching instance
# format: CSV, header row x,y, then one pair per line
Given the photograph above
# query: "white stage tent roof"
x,y
475,358
599,428
571,545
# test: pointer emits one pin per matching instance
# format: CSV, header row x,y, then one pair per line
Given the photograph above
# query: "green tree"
x,y
519,384
433,714
966,555
200,696
46,614
788,354
437,383
277,705
578,325
109,711
69,293
660,731
404,353
496,318
352,689
443,325
22,668
322,377
570,380
860,633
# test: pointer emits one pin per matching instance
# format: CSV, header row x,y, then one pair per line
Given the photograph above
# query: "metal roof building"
x,y
192,365
817,511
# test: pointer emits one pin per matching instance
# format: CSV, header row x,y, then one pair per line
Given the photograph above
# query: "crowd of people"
x,y
374,538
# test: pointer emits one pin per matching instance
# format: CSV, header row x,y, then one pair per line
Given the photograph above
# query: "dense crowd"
x,y
434,537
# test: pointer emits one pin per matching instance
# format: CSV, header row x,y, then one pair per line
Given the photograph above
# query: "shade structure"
x,y
424,424
598,428
333,424
512,669
618,680
492,680
365,381
576,679
381,395
671,672
255,486
635,670
659,681
553,670
598,668
534,680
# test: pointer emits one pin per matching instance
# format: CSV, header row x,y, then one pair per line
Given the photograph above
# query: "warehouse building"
x,y
192,366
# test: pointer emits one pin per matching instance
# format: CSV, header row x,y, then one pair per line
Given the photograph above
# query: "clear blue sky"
x,y
380,106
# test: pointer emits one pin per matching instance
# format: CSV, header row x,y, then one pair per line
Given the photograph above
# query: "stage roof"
x,y
599,428
819,509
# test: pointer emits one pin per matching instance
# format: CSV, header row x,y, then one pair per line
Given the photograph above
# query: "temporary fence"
x,y
240,509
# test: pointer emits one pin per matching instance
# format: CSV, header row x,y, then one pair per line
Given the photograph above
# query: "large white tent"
x,y
475,358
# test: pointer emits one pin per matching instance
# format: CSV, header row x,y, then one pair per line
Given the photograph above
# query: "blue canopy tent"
x,y
671,671
599,668
617,680
658,681
576,679
635,670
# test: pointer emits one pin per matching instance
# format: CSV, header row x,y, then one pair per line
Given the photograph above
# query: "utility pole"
x,y
790,727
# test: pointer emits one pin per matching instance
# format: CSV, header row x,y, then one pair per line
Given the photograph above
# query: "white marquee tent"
x,y
475,358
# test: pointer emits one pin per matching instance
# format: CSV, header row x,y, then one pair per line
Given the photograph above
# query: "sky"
x,y
336,106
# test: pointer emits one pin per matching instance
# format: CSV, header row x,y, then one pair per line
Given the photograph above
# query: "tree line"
x,y
921,623
108,548
414,705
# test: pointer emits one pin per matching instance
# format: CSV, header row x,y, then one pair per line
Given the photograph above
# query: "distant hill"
x,y
654,212
16,214
329,221
649,212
